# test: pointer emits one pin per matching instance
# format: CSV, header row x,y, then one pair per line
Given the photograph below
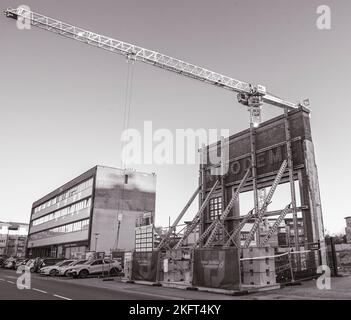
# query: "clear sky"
x,y
62,101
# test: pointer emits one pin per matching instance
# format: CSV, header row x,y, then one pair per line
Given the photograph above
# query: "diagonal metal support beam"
x,y
197,217
180,216
266,203
238,229
220,220
275,225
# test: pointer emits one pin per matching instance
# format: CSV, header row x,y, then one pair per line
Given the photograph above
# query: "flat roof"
x,y
84,176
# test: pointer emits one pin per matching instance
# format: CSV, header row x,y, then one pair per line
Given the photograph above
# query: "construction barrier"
x,y
145,266
175,266
216,268
294,265
258,266
262,266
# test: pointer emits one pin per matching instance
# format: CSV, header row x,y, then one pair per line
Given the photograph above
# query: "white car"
x,y
65,270
96,267
53,270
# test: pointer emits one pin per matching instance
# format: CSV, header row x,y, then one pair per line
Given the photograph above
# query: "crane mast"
x,y
250,95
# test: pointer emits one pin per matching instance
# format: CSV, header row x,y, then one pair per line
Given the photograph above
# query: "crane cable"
x,y
127,104
126,120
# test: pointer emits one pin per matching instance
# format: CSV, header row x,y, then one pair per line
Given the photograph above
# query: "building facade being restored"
x,y
269,142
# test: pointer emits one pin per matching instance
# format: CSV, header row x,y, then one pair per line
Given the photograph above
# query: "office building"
x,y
13,238
96,211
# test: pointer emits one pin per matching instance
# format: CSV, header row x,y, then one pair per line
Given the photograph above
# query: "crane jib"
x,y
184,68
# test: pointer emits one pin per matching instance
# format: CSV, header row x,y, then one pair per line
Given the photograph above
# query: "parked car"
x,y
32,265
53,270
10,263
45,262
2,261
96,267
20,262
65,270
36,264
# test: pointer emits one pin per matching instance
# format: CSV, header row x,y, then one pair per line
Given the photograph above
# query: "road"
x,y
45,288
49,288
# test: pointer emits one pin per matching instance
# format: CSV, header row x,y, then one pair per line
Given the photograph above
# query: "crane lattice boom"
x,y
131,51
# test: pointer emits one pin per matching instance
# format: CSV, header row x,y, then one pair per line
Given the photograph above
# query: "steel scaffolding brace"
x,y
238,229
180,216
197,217
291,177
275,225
220,220
266,203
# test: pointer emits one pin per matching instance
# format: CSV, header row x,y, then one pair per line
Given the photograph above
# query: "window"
x,y
97,262
74,208
76,226
215,208
78,188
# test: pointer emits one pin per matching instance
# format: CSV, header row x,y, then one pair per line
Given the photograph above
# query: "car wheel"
x,y
83,274
114,272
53,272
31,270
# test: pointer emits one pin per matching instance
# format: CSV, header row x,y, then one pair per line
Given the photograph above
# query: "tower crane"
x,y
252,96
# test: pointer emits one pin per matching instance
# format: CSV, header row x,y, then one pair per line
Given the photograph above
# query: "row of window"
x,y
69,193
72,227
143,230
63,212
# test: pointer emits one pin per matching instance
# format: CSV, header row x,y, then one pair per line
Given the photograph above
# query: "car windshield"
x,y
66,263
78,262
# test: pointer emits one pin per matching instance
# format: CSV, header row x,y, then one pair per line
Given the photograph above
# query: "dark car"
x,y
2,261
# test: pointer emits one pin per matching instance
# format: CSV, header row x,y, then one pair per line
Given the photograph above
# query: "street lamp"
x,y
119,219
96,239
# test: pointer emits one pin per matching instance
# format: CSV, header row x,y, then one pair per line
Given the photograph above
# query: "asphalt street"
x,y
45,288
53,288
